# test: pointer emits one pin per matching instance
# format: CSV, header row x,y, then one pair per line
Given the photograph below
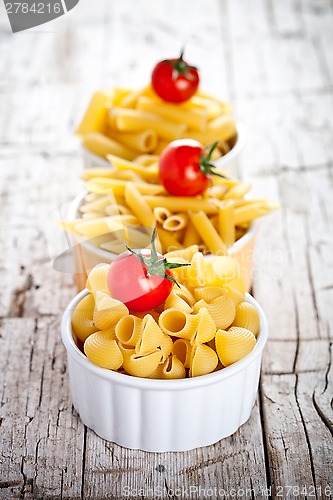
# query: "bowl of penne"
x,y
122,204
129,123
177,377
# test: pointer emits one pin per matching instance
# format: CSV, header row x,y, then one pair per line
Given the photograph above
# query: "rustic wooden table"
x,y
273,59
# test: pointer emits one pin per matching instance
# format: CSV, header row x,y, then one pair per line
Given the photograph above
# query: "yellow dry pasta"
x,y
148,173
82,318
118,186
161,214
207,232
194,118
102,349
97,279
206,328
172,368
139,206
223,128
108,311
142,142
235,295
233,345
152,336
247,317
221,309
226,223
133,120
182,203
204,360
128,330
94,117
178,324
178,299
137,365
101,145
175,222
182,348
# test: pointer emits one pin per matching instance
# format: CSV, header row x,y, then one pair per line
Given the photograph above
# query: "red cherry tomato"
x,y
174,80
141,280
185,167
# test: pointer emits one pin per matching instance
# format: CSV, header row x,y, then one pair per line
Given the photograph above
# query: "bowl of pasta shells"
x,y
180,375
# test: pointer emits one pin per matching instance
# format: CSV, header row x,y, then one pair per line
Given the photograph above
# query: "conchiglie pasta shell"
x,y
178,324
129,330
209,293
175,301
140,366
233,345
82,318
186,253
108,311
204,360
247,317
102,350
235,295
206,327
221,309
182,348
97,279
172,368
152,336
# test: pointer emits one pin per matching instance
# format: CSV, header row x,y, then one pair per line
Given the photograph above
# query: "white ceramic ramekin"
x,y
229,162
87,255
162,415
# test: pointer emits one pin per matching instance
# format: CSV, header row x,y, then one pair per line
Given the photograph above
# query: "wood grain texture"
x,y
274,60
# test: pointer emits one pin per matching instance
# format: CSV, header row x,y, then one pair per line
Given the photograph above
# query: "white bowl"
x,y
228,163
87,255
162,415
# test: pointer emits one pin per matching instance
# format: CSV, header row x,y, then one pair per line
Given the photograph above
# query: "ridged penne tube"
x,y
133,120
102,350
172,368
209,293
98,205
82,318
143,142
148,173
175,222
194,118
247,317
178,324
161,214
177,301
102,146
233,345
168,241
97,279
221,309
128,330
109,173
147,160
118,186
204,360
151,338
248,212
191,237
208,233
226,224
181,203
108,311
94,117
206,329
182,348
221,128
237,191
140,366
235,295
139,206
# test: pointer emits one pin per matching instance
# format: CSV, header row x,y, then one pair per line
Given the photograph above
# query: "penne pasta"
x,y
182,203
143,142
139,206
95,115
101,145
207,232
